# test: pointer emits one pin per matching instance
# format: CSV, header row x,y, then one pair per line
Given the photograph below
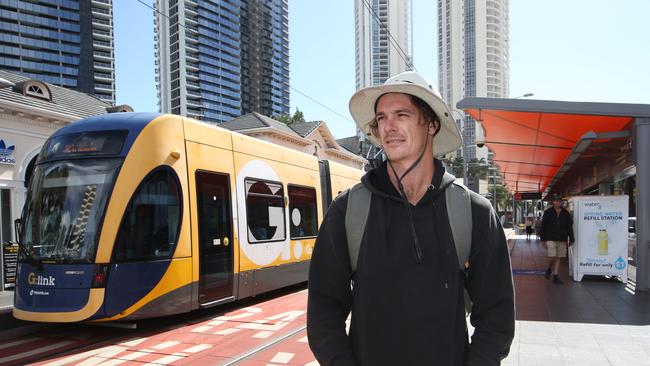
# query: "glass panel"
x,y
302,207
265,211
65,207
150,225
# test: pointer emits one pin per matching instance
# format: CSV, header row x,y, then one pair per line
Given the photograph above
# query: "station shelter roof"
x,y
537,143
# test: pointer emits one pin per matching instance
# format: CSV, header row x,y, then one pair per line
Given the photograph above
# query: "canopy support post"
x,y
641,137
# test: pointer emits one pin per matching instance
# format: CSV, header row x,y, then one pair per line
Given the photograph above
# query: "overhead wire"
x,y
402,54
293,88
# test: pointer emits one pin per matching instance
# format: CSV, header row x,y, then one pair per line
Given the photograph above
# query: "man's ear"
x,y
433,127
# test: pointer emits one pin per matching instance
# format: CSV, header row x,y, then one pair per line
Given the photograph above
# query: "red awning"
x,y
531,139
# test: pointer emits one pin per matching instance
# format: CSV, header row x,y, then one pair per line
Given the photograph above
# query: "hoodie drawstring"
x,y
417,248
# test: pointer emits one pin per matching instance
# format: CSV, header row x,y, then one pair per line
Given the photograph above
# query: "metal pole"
x,y
641,137
2,267
494,183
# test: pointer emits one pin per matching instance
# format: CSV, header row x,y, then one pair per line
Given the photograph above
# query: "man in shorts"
x,y
556,235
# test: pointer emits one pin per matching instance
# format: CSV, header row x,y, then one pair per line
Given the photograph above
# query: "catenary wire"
x,y
402,54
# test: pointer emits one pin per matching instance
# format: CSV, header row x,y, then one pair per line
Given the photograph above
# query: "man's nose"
x,y
390,123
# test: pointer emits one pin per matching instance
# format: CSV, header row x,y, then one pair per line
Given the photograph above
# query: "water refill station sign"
x,y
600,228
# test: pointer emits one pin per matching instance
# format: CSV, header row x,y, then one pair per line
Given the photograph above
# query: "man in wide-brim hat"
x,y
407,300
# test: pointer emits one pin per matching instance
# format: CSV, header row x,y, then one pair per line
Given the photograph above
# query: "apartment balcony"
x,y
191,37
191,58
102,45
102,35
101,13
191,49
191,8
190,66
194,105
104,88
192,76
103,4
193,95
193,85
102,24
102,78
102,56
103,66
191,21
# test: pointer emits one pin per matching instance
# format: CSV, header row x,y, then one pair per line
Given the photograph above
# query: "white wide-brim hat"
x,y
362,108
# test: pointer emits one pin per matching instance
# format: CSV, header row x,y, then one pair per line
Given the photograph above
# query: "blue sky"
x,y
580,50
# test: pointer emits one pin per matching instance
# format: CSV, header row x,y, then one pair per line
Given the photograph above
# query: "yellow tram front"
x,y
101,232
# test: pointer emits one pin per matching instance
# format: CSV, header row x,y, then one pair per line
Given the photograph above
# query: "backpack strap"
x,y
459,210
356,215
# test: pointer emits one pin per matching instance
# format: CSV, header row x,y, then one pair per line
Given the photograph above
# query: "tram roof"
x,y
537,142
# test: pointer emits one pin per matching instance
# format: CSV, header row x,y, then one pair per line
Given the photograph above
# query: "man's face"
x,y
402,130
557,203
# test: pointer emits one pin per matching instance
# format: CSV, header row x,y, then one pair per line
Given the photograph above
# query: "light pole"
x,y
461,123
524,95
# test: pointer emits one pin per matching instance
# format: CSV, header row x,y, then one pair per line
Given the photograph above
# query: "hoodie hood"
x,y
378,182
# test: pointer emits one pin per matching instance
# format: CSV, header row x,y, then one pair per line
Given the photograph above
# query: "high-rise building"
x,y
64,42
384,40
472,58
217,60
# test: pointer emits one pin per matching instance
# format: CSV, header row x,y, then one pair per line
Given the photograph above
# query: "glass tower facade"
x,y
217,60
63,42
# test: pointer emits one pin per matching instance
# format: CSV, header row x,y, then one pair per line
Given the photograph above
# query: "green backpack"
x,y
459,210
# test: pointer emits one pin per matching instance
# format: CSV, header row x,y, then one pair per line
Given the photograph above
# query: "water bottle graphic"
x,y
603,245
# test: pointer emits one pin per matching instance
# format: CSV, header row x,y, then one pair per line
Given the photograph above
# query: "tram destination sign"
x,y
9,261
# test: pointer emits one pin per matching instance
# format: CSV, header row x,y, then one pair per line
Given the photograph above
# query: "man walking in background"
x,y
556,236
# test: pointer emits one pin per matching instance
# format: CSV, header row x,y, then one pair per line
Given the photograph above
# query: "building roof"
x,y
255,120
65,101
351,144
305,128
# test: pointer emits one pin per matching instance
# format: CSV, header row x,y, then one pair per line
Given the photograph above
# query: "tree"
x,y
298,117
284,118
477,168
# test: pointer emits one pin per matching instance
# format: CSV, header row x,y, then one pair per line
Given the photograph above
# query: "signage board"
x,y
600,228
9,261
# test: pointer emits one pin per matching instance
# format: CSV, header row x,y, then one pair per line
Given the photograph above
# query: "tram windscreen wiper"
x,y
35,262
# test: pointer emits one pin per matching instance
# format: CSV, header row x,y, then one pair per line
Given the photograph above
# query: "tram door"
x,y
211,171
215,236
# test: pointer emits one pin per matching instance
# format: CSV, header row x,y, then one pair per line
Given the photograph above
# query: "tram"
x,y
138,215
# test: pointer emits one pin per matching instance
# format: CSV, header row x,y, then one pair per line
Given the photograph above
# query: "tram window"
x,y
265,211
302,210
149,228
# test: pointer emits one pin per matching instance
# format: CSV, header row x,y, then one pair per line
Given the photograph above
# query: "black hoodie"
x,y
404,312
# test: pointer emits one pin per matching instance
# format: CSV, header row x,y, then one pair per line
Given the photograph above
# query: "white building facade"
x,y
383,40
31,111
473,58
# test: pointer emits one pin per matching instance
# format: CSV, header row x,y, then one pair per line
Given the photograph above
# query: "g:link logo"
x,y
39,280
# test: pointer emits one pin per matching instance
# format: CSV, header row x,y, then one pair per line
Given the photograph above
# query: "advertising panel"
x,y
600,227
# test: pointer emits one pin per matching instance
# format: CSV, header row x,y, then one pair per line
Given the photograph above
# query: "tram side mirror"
x,y
18,228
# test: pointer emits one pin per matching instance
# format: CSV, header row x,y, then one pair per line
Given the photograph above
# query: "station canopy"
x,y
536,143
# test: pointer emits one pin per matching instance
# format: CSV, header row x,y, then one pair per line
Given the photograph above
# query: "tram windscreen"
x,y
65,207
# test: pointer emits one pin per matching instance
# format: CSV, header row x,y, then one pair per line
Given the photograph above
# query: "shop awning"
x,y
533,140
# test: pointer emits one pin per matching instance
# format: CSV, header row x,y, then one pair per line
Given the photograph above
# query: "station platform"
x,y
598,321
